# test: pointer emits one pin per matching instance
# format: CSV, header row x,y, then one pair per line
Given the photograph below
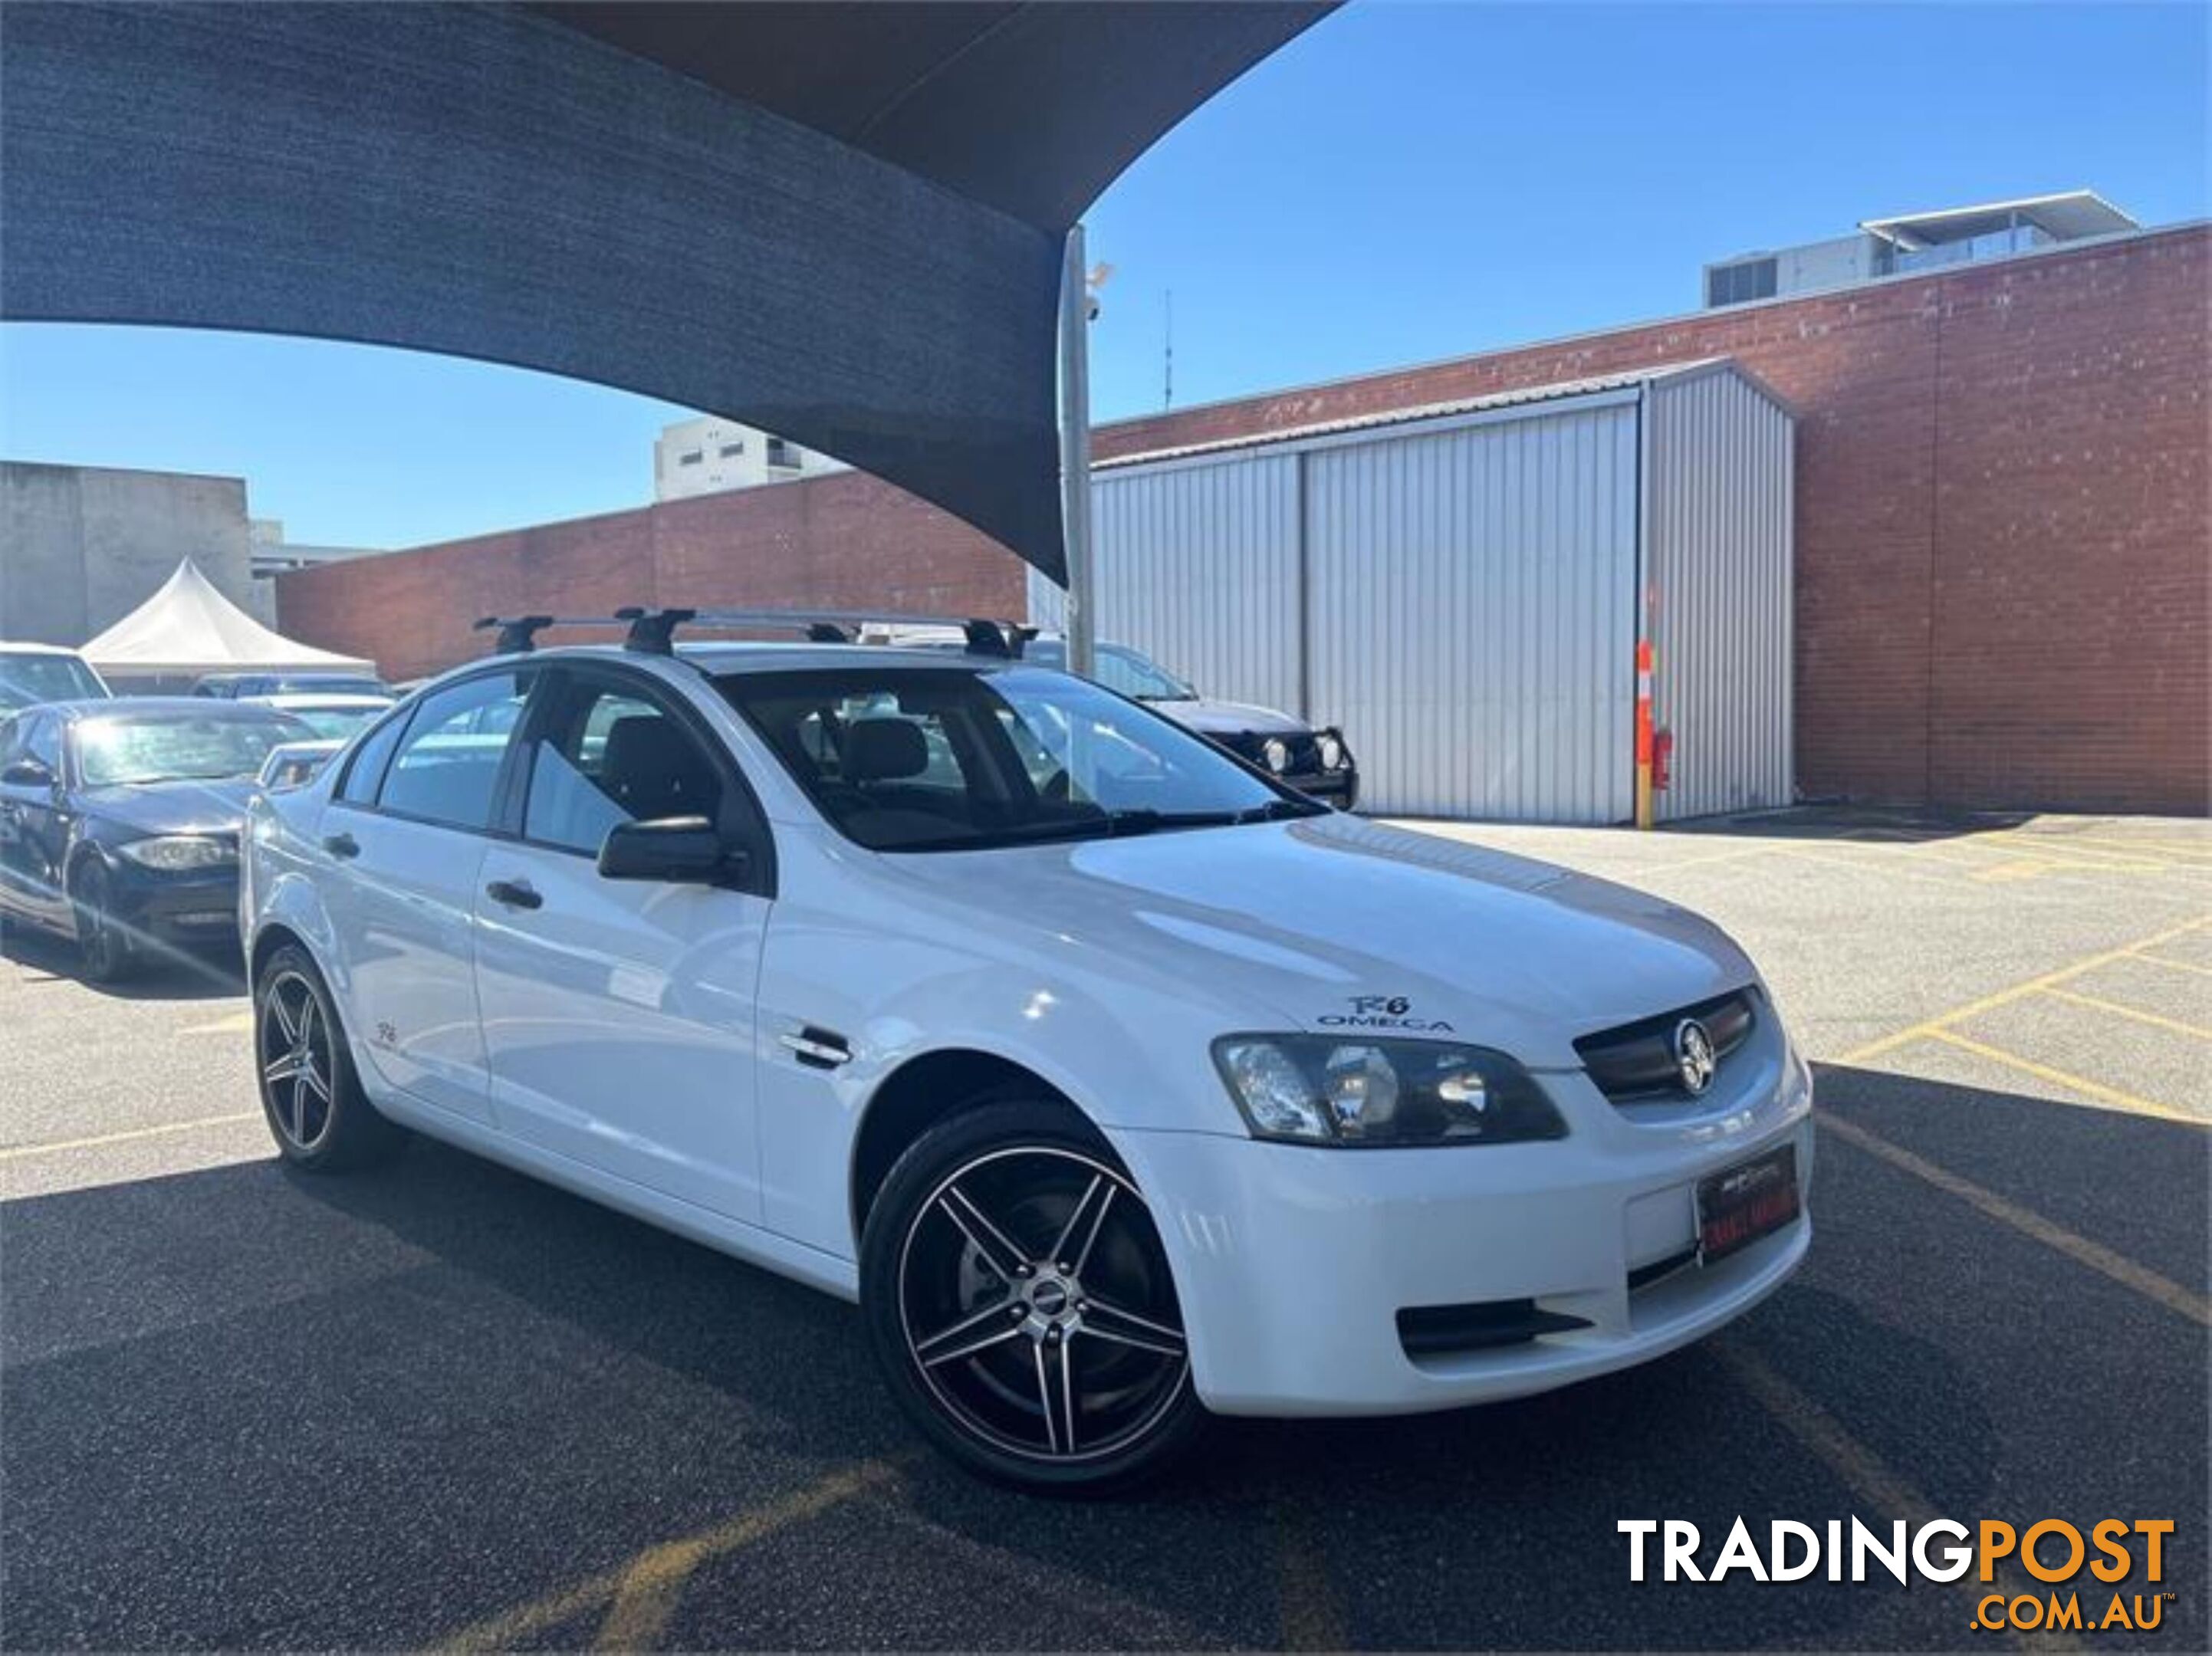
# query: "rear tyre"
x,y
320,1118
1019,1304
103,947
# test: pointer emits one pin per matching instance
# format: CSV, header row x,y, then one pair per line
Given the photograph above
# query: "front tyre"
x,y
321,1120
1019,1304
105,954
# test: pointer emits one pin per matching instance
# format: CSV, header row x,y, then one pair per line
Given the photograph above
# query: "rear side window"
x,y
367,772
446,768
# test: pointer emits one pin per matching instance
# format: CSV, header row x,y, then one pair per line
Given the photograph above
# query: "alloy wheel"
x,y
1036,1305
296,1061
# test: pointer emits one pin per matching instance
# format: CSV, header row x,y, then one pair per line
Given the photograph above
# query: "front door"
x,y
34,825
618,1015
404,839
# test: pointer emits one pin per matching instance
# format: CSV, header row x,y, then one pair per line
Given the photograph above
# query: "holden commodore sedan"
x,y
1118,1082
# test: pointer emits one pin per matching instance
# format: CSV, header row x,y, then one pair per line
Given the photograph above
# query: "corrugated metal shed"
x,y
1462,587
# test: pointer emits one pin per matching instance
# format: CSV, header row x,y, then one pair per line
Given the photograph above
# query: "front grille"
x,y
1442,1331
1634,1063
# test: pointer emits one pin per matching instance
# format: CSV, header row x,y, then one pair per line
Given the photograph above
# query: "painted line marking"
x,y
2155,1020
1973,1009
1861,1470
62,1146
239,1023
1307,1605
2177,966
2079,1249
643,1593
2130,1103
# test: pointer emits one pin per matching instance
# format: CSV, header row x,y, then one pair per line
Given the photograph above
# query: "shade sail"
x,y
188,627
838,222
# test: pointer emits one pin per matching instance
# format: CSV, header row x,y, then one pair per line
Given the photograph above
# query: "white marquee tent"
x,y
188,628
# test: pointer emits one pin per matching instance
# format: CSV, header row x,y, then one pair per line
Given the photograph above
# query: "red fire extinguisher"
x,y
1662,755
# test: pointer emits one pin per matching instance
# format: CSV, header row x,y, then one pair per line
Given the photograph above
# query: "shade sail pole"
x,y
1075,451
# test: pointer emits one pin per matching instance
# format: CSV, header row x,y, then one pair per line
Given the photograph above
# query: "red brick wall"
x,y
2004,537
844,541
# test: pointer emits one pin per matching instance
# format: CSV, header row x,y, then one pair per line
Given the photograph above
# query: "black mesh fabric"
x,y
535,186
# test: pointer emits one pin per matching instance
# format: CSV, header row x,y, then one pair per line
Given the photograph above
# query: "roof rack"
x,y
653,632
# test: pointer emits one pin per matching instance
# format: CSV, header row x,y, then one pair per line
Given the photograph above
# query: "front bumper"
x,y
1340,788
1293,1263
190,910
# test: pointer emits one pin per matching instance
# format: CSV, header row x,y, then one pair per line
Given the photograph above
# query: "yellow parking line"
x,y
1863,1471
2178,966
2098,1004
1735,855
643,1593
2156,847
1927,1027
2111,1097
60,1146
239,1023
2079,1249
1307,1606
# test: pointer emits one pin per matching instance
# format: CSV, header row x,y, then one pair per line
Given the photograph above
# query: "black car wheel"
x,y
1020,1303
103,944
321,1120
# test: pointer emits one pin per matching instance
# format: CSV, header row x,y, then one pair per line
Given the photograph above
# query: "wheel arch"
x,y
925,1089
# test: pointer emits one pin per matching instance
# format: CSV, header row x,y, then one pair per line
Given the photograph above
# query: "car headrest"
x,y
652,770
883,750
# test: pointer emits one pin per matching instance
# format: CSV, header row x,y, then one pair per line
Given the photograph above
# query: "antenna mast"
x,y
1167,385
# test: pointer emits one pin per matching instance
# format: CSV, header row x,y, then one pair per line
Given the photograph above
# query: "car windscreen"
x,y
28,678
336,721
323,685
120,749
921,758
1127,671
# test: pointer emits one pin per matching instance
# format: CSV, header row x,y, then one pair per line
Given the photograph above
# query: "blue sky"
x,y
1405,182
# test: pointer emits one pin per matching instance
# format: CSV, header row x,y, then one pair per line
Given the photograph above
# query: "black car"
x,y
120,820
1315,762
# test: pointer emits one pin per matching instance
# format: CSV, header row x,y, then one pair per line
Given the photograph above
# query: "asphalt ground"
x,y
442,1406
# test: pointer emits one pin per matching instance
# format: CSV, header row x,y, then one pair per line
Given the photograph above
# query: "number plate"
x,y
1739,1205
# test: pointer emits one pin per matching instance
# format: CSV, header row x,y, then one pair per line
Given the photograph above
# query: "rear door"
x,y
618,1015
404,838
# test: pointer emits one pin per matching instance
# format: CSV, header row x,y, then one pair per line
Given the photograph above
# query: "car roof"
x,y
292,701
10,646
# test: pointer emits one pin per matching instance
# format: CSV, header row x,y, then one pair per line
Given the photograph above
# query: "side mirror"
x,y
27,774
677,850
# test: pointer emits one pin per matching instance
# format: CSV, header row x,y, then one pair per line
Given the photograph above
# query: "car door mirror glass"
x,y
679,850
27,774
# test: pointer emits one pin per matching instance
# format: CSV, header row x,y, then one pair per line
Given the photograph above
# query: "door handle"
x,y
342,845
515,894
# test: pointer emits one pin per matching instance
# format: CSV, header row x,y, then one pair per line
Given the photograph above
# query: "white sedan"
x,y
1116,1081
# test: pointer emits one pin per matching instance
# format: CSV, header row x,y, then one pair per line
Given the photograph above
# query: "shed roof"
x,y
1529,397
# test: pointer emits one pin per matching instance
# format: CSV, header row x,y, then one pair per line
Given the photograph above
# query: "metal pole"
x,y
1075,451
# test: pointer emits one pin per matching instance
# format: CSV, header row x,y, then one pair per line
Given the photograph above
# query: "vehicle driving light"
x,y
1321,1089
1331,749
1276,753
179,854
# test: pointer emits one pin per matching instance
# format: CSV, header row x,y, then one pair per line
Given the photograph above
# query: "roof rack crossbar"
x,y
651,631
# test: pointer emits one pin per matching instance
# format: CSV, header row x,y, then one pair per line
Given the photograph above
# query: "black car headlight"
x,y
181,853
1330,746
1275,754
1327,1089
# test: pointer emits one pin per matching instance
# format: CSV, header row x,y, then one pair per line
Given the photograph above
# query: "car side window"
x,y
367,774
446,768
43,742
611,755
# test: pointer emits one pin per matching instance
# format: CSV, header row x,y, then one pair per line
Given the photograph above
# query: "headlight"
x,y
177,853
1320,1089
1330,746
1275,753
